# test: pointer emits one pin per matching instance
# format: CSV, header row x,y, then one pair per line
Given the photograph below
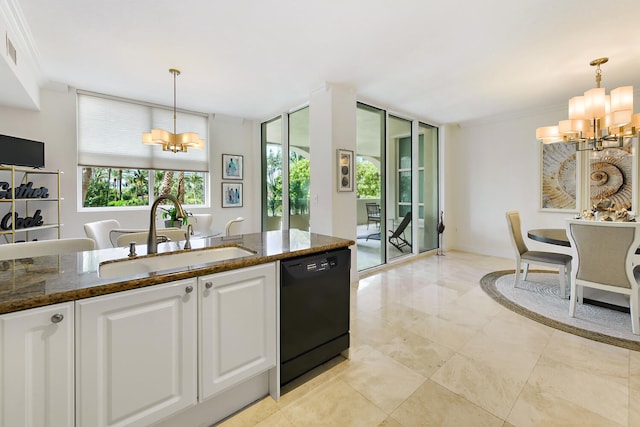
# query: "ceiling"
x,y
452,61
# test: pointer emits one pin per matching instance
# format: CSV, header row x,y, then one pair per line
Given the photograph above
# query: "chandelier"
x,y
175,142
596,120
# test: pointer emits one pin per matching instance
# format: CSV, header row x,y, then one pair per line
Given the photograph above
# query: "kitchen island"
x,y
185,345
36,282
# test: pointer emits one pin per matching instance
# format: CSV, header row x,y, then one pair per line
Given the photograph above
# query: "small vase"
x,y
168,223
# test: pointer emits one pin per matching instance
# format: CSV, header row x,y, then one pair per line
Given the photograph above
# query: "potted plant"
x,y
171,219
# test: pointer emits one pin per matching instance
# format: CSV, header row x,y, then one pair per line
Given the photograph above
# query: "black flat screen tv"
x,y
21,152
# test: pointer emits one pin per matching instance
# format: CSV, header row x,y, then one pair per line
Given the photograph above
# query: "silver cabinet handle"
x,y
57,318
208,285
189,289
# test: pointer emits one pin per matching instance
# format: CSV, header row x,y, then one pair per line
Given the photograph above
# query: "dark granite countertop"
x,y
35,282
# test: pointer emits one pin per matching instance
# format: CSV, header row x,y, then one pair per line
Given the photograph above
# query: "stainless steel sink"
x,y
148,264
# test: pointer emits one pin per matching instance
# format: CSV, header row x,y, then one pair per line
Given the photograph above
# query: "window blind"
x,y
110,135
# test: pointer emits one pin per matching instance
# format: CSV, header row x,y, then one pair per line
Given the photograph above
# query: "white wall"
x,y
55,124
332,126
489,169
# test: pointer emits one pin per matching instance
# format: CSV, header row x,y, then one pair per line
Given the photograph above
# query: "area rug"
x,y
538,298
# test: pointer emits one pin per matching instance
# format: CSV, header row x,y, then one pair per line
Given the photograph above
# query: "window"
x,y
272,174
285,194
118,170
108,187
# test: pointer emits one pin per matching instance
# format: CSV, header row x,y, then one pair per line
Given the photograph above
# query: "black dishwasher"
x,y
314,311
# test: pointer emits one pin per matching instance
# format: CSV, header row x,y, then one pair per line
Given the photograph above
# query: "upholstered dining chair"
x,y
45,247
99,232
525,257
603,258
140,238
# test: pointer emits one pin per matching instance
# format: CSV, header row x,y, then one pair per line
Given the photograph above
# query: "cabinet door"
x,y
36,367
136,355
237,326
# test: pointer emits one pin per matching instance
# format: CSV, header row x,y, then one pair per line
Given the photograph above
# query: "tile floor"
x,y
429,348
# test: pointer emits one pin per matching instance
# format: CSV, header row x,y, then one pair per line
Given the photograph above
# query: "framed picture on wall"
x,y
232,166
345,171
559,177
231,195
612,176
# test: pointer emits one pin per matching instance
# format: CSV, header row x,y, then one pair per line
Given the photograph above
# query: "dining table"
x,y
553,236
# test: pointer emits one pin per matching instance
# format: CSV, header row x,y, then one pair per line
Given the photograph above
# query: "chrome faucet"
x,y
152,242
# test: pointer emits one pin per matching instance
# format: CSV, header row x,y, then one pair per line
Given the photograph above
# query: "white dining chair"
x,y
202,224
140,238
99,232
45,247
525,257
230,229
604,257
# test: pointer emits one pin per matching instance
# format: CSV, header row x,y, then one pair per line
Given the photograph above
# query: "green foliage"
x,y
299,184
299,178
367,180
193,186
171,213
130,187
274,181
116,187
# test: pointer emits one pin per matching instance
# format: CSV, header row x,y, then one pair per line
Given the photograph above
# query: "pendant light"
x,y
175,142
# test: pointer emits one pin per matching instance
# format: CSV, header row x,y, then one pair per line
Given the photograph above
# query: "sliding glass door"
x,y
399,196
371,230
397,187
272,174
286,157
428,215
299,175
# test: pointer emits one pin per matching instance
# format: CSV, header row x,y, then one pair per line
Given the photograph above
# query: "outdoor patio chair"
x,y
397,237
373,214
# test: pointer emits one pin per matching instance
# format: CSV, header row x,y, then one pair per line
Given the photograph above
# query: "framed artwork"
x,y
559,183
345,171
231,195
231,166
611,177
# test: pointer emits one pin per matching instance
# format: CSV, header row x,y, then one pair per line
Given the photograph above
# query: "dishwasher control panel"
x,y
322,264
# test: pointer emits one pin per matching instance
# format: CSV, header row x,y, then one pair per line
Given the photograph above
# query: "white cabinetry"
x,y
136,355
237,327
143,356
36,367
